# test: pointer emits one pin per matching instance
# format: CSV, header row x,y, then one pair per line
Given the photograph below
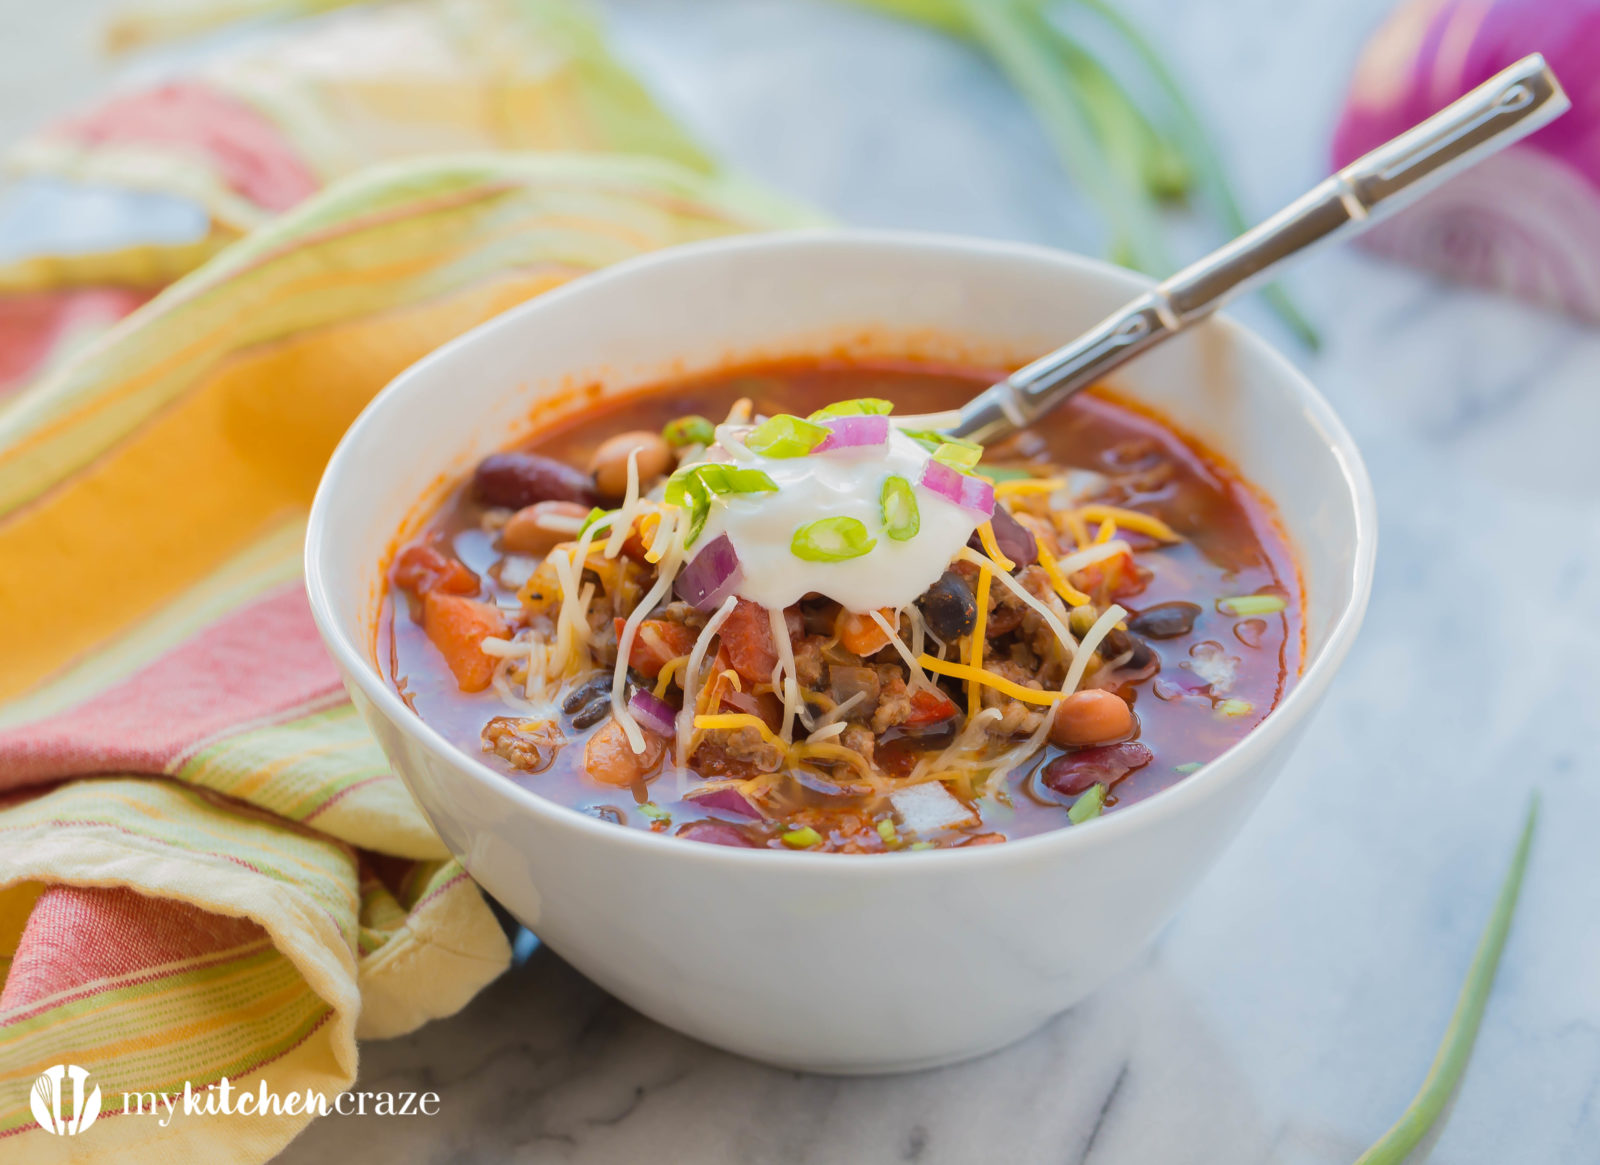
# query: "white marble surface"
x,y
1291,1010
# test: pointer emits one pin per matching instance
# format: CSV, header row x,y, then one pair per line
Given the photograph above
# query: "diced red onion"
x,y
853,433
712,576
727,799
653,713
966,491
929,806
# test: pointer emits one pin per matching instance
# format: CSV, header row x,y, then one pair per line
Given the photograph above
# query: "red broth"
x,y
1186,715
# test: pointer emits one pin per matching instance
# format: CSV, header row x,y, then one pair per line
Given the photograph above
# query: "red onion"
x,y
653,713
712,576
716,833
727,799
1526,221
853,433
970,493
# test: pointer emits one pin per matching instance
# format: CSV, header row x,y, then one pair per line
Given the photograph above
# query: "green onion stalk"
x,y
1126,162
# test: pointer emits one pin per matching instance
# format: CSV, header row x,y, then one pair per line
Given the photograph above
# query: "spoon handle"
x,y
1507,107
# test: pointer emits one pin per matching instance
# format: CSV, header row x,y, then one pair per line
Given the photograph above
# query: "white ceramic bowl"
x,y
833,963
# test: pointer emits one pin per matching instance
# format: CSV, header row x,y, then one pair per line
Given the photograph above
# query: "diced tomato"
x,y
610,759
657,642
861,635
457,626
747,639
929,707
421,568
1126,577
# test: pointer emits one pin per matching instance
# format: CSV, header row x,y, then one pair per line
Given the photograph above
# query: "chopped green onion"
x,y
1088,805
694,486
865,406
785,436
1451,1060
887,831
1235,708
920,845
932,440
1251,605
831,540
802,838
690,430
594,516
1188,767
901,518
654,812
962,457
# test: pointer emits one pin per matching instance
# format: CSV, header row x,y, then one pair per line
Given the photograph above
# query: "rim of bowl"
x,y
1105,830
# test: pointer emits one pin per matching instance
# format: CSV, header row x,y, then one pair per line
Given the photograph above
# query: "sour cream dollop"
x,y
838,483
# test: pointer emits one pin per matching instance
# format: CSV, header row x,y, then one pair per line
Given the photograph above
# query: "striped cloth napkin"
x,y
207,869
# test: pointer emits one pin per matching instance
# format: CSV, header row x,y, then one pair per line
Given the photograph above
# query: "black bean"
x,y
1016,542
948,607
591,714
1166,620
1117,643
582,695
515,480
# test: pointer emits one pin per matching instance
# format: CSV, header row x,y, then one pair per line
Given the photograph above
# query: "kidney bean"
x,y
1076,772
516,480
1166,620
1015,540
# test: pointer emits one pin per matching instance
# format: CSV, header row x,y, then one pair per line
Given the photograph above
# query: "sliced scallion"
x,y
654,812
901,518
1089,804
887,831
1233,709
864,406
1240,605
803,838
962,456
785,436
831,540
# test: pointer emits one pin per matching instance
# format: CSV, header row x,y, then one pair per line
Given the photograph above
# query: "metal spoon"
x,y
1504,109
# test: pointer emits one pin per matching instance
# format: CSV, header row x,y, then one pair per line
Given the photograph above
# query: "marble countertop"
x,y
1291,1010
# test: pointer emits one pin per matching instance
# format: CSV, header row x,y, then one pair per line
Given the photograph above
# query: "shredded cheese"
x,y
1071,564
622,524
733,721
829,731
910,657
691,674
835,715
1131,520
1069,593
980,638
668,670
783,675
619,674
1030,485
826,750
978,676
1076,526
662,535
992,547
1016,588
1091,640
1107,531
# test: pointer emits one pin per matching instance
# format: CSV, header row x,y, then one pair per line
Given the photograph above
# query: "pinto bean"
x,y
1090,717
525,533
610,463
517,480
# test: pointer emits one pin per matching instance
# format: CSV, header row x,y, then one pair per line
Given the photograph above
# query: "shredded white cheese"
x,y
619,674
691,675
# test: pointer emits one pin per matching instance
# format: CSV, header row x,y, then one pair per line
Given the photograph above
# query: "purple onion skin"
x,y
1525,222
1016,542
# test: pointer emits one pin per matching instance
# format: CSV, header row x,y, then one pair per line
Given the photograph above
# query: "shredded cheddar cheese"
x,y
992,547
1070,594
1107,531
732,721
983,676
668,670
980,628
1130,520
